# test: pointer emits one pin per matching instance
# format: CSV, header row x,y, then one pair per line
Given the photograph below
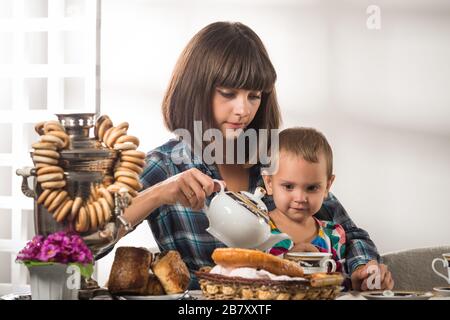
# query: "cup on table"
x,y
446,263
313,262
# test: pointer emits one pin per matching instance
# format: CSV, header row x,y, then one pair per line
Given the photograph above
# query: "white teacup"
x,y
446,264
312,262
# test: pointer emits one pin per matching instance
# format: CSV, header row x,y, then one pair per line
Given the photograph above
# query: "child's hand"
x,y
372,276
304,247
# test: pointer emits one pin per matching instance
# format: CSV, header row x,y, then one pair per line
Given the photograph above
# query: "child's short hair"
x,y
307,143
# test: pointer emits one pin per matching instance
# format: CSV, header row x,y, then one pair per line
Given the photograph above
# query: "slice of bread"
x,y
172,272
130,271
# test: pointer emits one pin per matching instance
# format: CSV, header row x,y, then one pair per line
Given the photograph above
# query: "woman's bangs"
x,y
244,66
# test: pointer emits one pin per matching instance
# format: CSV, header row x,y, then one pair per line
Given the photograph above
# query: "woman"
x,y
224,80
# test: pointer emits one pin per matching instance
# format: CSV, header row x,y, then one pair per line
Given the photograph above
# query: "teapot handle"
x,y
220,183
222,190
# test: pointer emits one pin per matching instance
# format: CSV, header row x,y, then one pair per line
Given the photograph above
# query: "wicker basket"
x,y
313,287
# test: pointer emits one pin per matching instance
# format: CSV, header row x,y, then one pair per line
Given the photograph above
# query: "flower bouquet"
x,y
56,264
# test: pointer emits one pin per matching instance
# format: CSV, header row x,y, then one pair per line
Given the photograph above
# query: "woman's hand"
x,y
190,188
304,247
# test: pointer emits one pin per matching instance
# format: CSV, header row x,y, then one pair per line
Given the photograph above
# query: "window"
x,y
48,65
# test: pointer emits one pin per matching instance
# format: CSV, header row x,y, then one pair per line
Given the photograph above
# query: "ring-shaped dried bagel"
x,y
41,165
115,134
43,196
44,146
125,146
77,203
53,126
49,169
53,123
58,200
62,135
47,153
131,166
53,139
123,125
107,133
133,153
93,192
128,138
126,173
51,197
140,162
53,184
39,128
107,124
106,209
98,123
82,222
42,159
50,177
133,183
58,210
92,216
64,211
100,214
107,195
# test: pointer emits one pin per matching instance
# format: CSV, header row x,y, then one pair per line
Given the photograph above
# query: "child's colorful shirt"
x,y
330,238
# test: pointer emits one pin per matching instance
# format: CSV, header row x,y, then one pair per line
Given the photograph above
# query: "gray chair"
x,y
411,269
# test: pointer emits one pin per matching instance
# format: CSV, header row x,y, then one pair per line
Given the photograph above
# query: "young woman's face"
x,y
299,187
234,109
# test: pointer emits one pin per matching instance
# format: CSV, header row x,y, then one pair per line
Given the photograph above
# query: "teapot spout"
x,y
272,240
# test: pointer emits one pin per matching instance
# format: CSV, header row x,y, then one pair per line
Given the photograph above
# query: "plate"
x,y
443,291
13,296
397,295
163,297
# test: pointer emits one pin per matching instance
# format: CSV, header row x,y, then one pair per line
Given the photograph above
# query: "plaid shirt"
x,y
176,227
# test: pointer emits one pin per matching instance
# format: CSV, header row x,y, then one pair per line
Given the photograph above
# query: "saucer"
x,y
397,295
442,291
308,256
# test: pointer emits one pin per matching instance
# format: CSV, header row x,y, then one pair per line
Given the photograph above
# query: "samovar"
x,y
85,163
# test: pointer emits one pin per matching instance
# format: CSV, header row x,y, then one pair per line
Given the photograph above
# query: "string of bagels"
x,y
94,212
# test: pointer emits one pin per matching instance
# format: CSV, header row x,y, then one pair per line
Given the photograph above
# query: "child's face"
x,y
234,109
299,187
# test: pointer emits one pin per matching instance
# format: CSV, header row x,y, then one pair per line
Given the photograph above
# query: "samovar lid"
x,y
84,152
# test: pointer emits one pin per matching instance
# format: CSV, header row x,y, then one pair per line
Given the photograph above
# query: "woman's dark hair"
x,y
223,54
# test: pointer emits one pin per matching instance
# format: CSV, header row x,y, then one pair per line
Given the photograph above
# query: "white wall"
x,y
380,96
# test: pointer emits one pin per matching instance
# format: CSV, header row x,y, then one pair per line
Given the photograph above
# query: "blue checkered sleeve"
x,y
175,227
155,170
360,249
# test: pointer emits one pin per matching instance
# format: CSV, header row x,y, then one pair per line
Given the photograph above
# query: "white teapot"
x,y
241,220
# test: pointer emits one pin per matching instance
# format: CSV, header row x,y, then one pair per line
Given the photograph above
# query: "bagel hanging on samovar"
x,y
95,211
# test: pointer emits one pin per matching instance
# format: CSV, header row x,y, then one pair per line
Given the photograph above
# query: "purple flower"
x,y
59,247
48,252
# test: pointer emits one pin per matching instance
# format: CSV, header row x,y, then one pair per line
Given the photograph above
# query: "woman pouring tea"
x,y
223,81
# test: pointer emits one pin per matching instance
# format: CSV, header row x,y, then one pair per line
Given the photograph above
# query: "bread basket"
x,y
323,286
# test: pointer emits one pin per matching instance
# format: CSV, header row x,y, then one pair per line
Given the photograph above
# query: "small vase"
x,y
50,282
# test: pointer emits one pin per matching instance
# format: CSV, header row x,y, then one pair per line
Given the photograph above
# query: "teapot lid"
x,y
244,200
